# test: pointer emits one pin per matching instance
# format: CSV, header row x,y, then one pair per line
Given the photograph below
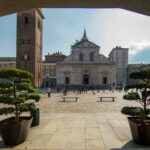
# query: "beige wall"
x,y
95,72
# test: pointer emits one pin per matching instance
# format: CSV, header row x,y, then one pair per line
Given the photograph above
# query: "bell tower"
x,y
29,43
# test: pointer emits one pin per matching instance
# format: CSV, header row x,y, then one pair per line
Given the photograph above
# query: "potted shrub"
x,y
15,93
139,120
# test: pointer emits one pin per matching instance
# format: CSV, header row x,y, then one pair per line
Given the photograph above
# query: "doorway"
x,y
104,80
86,79
47,85
67,80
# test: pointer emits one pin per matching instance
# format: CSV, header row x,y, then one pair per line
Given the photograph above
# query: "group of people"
x,y
48,91
81,90
65,90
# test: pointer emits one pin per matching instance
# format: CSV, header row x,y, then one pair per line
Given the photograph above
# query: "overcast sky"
x,y
107,28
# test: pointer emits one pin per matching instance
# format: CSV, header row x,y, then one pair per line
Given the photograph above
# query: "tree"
x,y
141,97
15,91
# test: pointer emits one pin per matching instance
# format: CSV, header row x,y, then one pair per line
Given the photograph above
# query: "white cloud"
x,y
135,47
116,27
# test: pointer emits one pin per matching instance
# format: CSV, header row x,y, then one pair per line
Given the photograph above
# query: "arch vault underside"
x,y
12,6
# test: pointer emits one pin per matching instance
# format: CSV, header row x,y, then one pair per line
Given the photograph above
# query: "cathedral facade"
x,y
86,67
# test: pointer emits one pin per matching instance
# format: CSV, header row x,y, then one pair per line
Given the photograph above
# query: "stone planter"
x,y
15,133
140,132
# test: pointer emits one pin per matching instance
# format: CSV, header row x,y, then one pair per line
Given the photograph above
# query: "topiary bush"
x,y
141,97
16,92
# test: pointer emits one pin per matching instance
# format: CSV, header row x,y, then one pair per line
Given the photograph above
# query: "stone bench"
x,y
64,98
111,97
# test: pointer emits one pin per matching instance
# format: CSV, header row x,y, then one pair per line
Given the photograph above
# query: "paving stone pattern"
x,y
87,102
83,125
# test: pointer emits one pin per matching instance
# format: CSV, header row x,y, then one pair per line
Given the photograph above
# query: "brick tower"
x,y
29,43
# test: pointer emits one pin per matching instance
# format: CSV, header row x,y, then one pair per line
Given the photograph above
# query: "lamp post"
x,y
25,59
39,61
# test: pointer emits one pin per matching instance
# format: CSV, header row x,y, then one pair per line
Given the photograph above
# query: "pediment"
x,y
85,43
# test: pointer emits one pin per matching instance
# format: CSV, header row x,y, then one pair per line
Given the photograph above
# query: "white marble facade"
x,y
86,67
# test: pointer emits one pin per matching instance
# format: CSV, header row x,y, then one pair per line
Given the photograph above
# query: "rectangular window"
x,y
91,57
26,20
47,74
80,57
43,75
52,74
2,65
47,67
52,67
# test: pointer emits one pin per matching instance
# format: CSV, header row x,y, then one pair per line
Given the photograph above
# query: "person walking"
x,y
82,89
64,92
49,92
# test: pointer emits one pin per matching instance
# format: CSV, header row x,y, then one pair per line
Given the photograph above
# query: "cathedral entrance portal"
x,y
67,80
86,79
47,85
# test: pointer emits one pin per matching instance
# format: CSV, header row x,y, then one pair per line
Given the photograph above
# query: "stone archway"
x,y
13,6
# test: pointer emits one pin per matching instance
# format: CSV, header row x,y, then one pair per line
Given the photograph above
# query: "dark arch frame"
x,y
13,6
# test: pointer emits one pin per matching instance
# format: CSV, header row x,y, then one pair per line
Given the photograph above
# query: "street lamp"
x,y
25,59
39,71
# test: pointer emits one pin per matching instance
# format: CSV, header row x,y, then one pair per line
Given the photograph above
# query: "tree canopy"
x,y
141,95
16,91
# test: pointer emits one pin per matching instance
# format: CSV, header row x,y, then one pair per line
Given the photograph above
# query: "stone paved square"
x,y
83,125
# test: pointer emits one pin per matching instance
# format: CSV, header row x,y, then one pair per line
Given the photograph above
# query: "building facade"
x,y
7,62
133,67
49,69
120,57
85,67
29,43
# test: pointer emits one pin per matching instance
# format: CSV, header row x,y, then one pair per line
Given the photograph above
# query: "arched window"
x,y
80,57
91,57
26,20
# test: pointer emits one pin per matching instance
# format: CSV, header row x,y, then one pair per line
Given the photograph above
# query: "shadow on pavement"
x,y
132,146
